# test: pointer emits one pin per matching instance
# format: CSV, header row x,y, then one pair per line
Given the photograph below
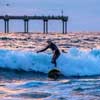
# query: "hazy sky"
x,y
84,15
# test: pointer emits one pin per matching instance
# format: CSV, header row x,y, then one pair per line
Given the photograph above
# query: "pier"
x,y
26,19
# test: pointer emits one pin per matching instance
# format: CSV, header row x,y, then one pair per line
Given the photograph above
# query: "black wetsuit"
x,y
56,52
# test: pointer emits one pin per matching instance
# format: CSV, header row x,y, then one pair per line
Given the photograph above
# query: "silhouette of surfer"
x,y
55,50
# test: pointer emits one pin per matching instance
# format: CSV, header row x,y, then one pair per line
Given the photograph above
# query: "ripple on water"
x,y
32,95
32,84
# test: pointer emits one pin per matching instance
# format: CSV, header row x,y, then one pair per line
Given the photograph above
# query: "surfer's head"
x,y
49,41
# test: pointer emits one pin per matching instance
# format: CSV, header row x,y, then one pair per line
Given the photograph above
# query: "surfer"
x,y
55,50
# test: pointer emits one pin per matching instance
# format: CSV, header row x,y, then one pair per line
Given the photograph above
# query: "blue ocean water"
x,y
23,75
83,15
73,63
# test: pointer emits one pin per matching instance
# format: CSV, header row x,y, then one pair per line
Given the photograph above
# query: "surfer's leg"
x,y
54,58
55,64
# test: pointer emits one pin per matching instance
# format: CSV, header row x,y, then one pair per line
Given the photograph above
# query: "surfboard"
x,y
54,73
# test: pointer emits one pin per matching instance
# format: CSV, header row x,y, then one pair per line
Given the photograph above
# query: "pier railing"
x,y
26,19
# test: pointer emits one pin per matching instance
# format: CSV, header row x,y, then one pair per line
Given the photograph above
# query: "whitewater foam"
x,y
73,63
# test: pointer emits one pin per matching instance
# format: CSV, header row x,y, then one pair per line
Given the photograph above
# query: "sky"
x,y
84,15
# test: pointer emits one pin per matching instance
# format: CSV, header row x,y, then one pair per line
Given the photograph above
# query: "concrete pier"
x,y
26,19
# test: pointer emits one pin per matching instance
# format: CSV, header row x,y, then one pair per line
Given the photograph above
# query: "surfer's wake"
x,y
73,63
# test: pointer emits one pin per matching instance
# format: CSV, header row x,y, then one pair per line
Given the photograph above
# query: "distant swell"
x,y
73,63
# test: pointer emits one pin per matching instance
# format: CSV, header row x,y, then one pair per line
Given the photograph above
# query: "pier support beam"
x,y
45,26
6,26
64,26
26,28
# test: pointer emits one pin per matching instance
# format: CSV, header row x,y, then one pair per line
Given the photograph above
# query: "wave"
x,y
73,63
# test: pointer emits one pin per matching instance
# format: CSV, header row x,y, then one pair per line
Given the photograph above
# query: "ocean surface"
x,y
23,72
23,76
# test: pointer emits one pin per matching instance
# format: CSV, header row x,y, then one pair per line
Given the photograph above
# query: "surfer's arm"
x,y
43,49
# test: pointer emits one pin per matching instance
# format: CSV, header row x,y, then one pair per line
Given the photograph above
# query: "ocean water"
x,y
23,75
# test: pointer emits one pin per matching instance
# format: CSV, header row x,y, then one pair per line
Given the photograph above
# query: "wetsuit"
x,y
56,52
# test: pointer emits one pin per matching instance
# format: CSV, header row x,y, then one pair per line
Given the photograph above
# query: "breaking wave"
x,y
73,63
